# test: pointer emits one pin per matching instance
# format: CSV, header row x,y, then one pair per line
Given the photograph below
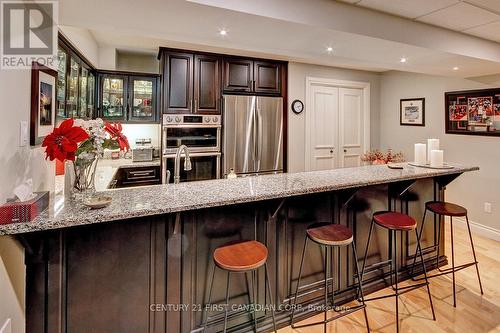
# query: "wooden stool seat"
x,y
446,208
330,234
241,256
395,221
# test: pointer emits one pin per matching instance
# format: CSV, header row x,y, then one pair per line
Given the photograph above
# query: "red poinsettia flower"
x,y
115,131
62,143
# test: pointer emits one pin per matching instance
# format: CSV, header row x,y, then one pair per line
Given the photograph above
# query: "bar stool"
x,y
330,236
451,210
395,222
241,257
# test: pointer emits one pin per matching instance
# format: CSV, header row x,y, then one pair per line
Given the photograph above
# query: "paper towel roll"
x,y
420,153
432,144
436,158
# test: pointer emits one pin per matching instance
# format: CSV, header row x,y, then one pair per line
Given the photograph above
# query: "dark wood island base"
x,y
152,273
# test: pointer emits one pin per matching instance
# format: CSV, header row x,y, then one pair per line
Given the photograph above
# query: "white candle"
x,y
432,144
436,158
420,150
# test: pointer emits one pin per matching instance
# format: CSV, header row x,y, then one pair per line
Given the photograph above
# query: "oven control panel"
x,y
189,119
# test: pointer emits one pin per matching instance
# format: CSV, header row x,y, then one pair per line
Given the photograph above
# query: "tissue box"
x,y
24,211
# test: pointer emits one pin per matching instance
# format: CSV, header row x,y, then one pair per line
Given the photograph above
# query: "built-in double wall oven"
x,y
202,135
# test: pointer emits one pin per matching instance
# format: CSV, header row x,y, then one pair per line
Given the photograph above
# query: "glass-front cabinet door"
x,y
143,98
113,100
62,58
73,87
82,107
90,95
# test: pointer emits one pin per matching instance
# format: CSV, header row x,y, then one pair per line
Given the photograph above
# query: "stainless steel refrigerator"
x,y
252,134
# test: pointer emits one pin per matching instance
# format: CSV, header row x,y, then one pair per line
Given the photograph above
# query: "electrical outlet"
x,y
487,207
7,326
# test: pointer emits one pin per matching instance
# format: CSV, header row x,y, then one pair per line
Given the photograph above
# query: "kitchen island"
x,y
141,264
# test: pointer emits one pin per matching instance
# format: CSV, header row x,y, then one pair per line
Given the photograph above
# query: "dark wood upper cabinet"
x,y
193,82
178,79
267,78
207,76
238,75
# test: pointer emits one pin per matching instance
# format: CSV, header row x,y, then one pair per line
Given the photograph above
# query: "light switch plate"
x,y
23,133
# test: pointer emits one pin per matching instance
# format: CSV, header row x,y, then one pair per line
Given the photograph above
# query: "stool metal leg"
x,y
270,297
326,289
474,254
425,274
209,299
453,263
254,298
396,278
360,285
227,300
366,250
419,235
298,282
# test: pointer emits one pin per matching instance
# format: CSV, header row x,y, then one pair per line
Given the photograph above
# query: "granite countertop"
x,y
170,198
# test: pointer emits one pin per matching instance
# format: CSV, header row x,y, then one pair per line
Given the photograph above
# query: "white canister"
x,y
436,158
432,144
420,153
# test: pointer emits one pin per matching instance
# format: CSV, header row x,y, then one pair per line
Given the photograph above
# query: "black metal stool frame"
x,y
254,295
453,269
326,320
394,269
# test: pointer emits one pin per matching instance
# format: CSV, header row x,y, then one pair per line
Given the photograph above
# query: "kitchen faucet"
x,y
177,164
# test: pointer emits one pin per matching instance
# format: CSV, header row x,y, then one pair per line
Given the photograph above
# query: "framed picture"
x,y
412,112
43,102
474,112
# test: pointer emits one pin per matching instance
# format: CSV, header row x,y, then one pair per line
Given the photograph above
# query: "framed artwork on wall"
x,y
473,112
412,112
43,102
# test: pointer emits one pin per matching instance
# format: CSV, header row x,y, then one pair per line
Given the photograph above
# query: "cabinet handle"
x,y
191,104
195,105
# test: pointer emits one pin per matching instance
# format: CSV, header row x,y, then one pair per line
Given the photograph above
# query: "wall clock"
x,y
297,106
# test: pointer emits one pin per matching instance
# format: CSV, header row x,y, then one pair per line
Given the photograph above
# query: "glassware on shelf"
x,y
61,83
90,94
83,94
142,99
72,101
112,97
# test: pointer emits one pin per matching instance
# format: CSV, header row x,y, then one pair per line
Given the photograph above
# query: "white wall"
x,y
142,131
136,62
16,165
471,189
297,73
83,41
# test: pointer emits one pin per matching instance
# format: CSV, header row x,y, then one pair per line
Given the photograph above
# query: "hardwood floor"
x,y
475,313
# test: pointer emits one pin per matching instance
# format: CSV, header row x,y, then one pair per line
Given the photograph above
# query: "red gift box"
x,y
24,211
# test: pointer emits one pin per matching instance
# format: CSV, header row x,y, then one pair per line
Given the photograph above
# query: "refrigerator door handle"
x,y
259,137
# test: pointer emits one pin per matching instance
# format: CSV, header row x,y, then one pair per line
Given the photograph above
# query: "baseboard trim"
x,y
479,229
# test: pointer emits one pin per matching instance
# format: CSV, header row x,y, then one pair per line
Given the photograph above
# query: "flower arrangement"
x,y
378,157
83,142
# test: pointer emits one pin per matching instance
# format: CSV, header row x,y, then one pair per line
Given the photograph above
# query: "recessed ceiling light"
x,y
455,68
223,32
403,60
329,49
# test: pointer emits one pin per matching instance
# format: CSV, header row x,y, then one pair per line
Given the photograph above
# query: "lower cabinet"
x,y
137,176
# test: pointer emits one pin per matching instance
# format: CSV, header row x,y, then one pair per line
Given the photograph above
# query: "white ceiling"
x,y
361,39
475,17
